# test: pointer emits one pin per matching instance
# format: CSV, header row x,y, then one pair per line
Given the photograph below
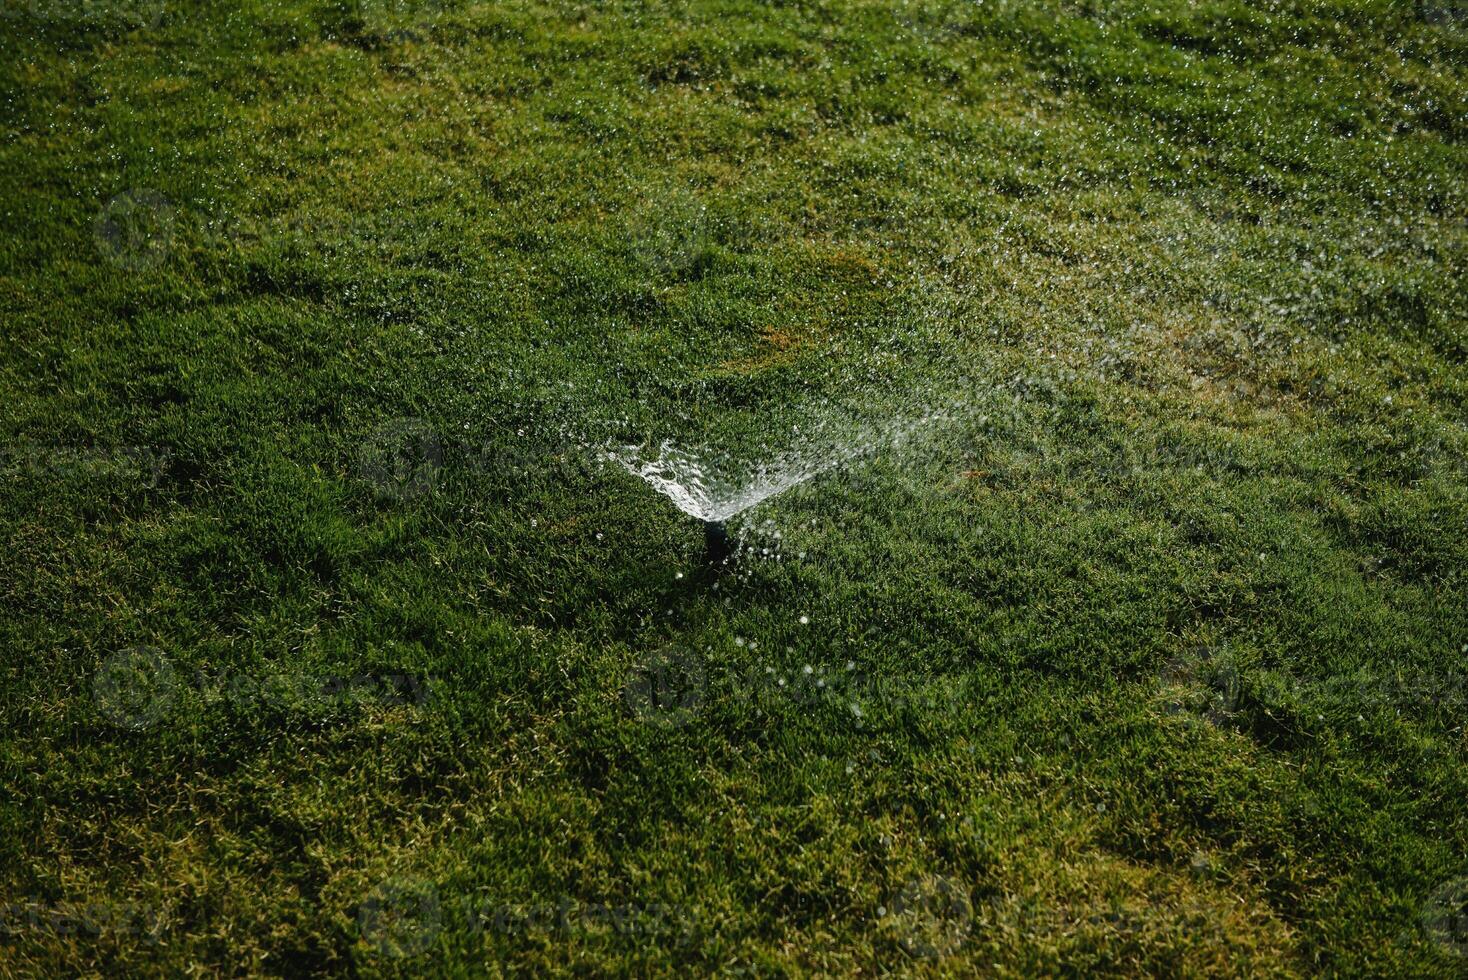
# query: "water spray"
x,y
714,495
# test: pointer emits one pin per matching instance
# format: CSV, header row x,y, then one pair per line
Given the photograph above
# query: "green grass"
x,y
1157,650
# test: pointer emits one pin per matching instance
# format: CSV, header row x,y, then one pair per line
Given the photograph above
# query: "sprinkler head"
x,y
717,550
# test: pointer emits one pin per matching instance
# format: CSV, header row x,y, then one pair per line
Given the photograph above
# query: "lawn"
x,y
1133,640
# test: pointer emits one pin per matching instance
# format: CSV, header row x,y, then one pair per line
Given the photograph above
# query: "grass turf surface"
x,y
329,649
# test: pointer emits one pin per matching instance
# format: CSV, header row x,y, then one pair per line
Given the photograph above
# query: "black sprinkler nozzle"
x,y
717,550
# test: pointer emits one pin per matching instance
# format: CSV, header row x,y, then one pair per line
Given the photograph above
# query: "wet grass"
x,y
328,648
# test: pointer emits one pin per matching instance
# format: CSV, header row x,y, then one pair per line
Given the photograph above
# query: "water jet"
x,y
712,489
